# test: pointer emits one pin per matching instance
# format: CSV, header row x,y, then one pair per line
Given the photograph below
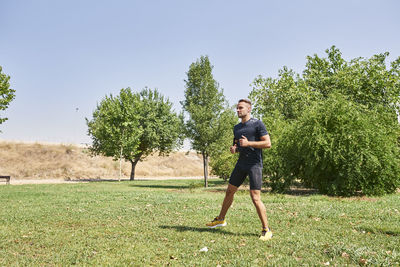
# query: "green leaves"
x,y
335,127
343,149
210,121
137,124
6,93
206,106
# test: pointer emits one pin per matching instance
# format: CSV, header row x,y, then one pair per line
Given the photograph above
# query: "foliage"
x,y
364,81
343,148
222,161
133,125
87,225
209,118
285,97
6,93
288,103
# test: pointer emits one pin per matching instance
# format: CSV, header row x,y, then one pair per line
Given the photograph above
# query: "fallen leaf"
x,y
327,263
269,256
345,255
363,261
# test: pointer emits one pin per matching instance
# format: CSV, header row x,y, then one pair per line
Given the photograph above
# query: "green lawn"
x,y
155,223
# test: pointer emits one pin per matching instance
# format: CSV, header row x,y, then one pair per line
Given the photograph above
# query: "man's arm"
x,y
265,142
233,148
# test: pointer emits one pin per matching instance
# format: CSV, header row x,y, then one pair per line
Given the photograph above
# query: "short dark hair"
x,y
245,100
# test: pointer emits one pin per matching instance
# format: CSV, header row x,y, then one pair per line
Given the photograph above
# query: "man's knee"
x,y
255,196
231,190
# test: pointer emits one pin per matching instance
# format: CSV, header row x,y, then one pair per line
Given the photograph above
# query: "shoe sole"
x,y
266,238
218,225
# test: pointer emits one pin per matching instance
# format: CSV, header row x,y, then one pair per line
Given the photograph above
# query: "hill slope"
x,y
59,161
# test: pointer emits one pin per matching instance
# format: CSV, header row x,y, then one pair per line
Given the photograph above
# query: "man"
x,y
250,137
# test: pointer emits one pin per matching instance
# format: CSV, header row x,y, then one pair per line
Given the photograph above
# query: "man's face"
x,y
243,109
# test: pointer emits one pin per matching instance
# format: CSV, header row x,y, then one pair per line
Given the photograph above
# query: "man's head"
x,y
243,108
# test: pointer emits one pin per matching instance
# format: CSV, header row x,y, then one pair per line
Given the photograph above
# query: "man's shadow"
x,y
220,231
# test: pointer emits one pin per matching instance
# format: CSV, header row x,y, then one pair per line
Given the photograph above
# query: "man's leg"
x,y
220,219
236,179
230,192
261,211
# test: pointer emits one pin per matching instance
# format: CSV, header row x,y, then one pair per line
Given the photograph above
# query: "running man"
x,y
250,137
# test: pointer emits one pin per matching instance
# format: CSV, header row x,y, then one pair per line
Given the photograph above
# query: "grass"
x,y
158,223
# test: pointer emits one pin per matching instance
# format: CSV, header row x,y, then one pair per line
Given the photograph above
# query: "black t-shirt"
x,y
253,129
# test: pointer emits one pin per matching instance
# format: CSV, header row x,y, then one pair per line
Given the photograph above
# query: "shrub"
x,y
342,148
222,164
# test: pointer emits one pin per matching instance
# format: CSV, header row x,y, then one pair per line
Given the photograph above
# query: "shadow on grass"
x,y
300,191
181,186
381,230
95,180
162,186
181,228
294,191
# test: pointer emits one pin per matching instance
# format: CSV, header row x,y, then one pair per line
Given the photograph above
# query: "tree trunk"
x,y
133,162
120,165
205,165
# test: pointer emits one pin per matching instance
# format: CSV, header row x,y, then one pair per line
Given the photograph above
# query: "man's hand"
x,y
233,149
243,141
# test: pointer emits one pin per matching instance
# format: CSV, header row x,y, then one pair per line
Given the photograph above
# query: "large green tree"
x,y
208,112
6,93
333,124
132,125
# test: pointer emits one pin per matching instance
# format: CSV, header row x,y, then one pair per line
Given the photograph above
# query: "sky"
x,y
65,56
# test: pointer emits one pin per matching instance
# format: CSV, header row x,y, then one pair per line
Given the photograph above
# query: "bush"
x,y
342,148
272,161
222,164
222,161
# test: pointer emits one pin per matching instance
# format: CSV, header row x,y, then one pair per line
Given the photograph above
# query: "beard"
x,y
241,115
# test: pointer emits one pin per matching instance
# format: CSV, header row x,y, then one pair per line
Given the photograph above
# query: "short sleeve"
x,y
261,129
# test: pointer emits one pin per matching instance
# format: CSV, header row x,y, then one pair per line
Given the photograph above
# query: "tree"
x,y
316,116
207,109
132,125
6,93
222,161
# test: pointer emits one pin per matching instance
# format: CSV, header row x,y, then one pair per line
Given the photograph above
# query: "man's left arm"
x,y
265,142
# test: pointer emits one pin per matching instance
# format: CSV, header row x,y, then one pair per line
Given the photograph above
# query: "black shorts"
x,y
240,173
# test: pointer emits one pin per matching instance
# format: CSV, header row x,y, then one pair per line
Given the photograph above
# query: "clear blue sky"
x,y
65,56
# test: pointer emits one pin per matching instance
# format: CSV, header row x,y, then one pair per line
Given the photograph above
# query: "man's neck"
x,y
245,119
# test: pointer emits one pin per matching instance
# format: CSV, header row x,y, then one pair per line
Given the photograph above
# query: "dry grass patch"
x,y
60,161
